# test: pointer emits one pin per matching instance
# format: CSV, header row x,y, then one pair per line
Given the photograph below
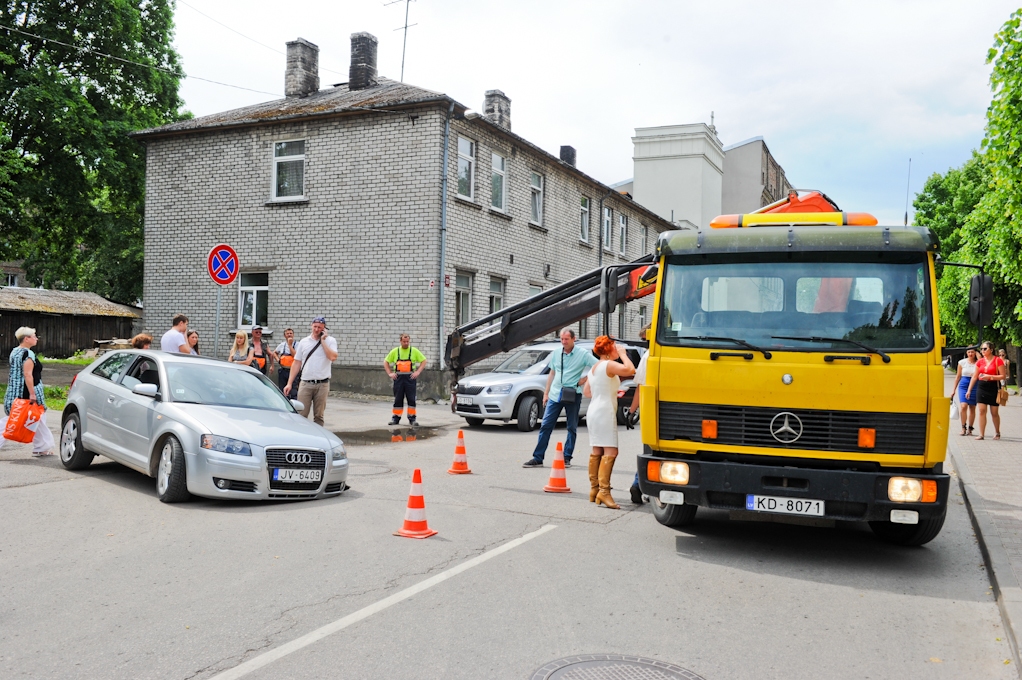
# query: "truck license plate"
x,y
784,506
287,475
467,401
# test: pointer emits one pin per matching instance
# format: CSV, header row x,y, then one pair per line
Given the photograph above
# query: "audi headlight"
x,y
338,452
504,388
215,442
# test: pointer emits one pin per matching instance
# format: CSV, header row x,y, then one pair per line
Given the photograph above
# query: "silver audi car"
x,y
199,426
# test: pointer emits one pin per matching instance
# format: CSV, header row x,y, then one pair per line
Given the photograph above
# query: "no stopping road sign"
x,y
222,264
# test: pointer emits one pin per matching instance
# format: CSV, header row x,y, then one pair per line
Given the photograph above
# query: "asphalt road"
x,y
101,580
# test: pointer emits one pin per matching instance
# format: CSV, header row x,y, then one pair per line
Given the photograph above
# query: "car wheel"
x,y
72,454
673,515
171,476
909,534
622,413
528,413
474,422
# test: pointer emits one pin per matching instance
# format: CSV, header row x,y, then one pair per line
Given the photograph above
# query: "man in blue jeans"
x,y
567,365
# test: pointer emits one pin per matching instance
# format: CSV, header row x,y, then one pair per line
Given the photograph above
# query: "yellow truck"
x,y
795,369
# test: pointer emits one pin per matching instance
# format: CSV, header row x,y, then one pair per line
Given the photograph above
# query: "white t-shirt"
x,y
968,368
640,370
172,341
318,366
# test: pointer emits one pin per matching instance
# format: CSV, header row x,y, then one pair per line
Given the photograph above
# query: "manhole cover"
x,y
360,468
388,436
611,667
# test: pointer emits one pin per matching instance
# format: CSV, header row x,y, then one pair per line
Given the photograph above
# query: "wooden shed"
x,y
65,321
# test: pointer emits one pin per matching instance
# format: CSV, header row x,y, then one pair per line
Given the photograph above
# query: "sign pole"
x,y
216,334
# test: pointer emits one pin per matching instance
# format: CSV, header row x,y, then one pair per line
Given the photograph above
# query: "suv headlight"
x,y
504,388
215,442
338,452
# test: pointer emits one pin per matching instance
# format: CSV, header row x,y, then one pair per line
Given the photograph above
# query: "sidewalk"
x,y
990,476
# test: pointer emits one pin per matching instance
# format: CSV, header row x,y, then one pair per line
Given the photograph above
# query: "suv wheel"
x,y
474,422
528,413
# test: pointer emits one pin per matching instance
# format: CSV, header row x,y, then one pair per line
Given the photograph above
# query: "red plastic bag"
x,y
23,421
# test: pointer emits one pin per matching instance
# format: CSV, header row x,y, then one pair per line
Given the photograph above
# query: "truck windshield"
x,y
882,304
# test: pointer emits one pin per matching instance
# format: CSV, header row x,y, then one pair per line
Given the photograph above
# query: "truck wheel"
x,y
474,422
528,413
673,515
72,454
909,534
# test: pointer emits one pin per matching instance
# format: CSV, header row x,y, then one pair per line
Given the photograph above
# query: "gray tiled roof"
x,y
62,302
387,94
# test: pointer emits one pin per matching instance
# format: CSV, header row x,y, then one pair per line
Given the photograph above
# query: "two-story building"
x,y
383,206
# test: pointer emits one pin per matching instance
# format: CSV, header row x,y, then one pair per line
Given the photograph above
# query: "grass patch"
x,y
79,359
55,396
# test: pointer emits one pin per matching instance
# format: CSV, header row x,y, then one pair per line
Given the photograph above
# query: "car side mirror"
x,y
299,406
146,390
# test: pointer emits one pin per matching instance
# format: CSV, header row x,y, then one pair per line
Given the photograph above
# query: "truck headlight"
x,y
672,472
215,442
905,489
338,453
500,389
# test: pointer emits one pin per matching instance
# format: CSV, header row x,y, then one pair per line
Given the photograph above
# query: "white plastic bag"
x,y
955,404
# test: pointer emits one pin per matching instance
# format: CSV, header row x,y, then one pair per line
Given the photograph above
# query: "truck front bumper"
x,y
847,494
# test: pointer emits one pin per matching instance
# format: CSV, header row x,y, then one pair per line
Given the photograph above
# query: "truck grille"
x,y
821,430
277,458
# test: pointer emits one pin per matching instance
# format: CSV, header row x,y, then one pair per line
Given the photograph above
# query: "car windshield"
x,y
526,362
814,301
214,385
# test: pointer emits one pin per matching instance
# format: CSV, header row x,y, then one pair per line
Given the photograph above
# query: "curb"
x,y
1002,577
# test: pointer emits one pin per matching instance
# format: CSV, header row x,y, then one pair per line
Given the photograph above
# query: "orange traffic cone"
x,y
460,464
557,483
415,516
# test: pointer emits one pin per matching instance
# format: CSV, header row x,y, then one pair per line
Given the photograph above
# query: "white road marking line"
x,y
269,657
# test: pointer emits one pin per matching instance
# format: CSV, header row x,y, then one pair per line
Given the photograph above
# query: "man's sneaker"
x,y
532,462
567,462
396,420
636,494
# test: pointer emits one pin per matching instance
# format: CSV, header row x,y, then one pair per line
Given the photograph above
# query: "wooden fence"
x,y
61,335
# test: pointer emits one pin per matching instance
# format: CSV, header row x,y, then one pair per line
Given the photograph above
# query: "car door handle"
x,y
110,400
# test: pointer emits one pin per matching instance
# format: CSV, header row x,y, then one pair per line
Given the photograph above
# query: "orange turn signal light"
x,y
867,437
709,429
653,470
929,491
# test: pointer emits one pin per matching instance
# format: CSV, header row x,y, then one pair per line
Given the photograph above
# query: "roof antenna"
x,y
907,184
713,128
404,43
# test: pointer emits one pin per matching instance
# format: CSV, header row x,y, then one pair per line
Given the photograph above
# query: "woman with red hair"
x,y
601,419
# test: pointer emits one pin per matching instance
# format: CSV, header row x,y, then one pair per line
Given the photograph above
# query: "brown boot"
x,y
594,476
606,467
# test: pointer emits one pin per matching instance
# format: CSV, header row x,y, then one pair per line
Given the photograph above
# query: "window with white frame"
x,y
583,221
622,234
535,290
462,298
253,300
621,320
643,320
466,167
289,170
536,191
498,190
645,239
583,329
12,280
496,294
608,227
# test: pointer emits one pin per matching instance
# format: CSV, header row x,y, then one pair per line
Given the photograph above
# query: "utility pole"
x,y
404,43
908,183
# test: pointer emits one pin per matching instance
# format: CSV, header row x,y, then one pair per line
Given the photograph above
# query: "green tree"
x,y
71,181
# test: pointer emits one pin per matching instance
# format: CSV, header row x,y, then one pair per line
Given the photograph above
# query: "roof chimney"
x,y
497,109
362,73
301,78
568,155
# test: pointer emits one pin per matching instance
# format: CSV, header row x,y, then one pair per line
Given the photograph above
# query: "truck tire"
x,y
528,413
474,422
673,515
909,534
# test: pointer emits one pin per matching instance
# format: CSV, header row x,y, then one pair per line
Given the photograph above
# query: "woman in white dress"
x,y
601,385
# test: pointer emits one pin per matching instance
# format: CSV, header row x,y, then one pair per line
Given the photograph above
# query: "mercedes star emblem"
x,y
786,427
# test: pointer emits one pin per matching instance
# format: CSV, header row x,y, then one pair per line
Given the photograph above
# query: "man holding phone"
x,y
313,357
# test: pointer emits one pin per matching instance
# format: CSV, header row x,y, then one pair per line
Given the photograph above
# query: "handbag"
x,y
569,395
23,421
1002,397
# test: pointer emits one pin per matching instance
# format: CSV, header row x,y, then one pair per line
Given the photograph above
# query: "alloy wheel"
x,y
166,467
533,416
68,440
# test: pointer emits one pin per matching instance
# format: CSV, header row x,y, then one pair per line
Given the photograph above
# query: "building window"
x,y
535,290
12,280
608,227
583,221
496,295
622,234
642,316
466,167
498,191
583,329
253,300
462,298
645,239
536,189
289,170
621,320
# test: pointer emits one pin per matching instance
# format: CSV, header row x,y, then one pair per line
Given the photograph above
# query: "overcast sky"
x,y
842,92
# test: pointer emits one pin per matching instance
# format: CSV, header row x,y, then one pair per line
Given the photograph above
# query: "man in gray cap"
x,y
313,356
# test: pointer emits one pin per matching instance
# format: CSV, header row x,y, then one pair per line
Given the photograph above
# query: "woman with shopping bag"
x,y
25,383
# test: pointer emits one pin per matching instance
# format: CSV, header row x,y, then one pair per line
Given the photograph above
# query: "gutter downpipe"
x,y
605,320
443,236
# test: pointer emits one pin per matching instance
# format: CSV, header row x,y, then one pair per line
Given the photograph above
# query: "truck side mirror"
x,y
608,291
981,300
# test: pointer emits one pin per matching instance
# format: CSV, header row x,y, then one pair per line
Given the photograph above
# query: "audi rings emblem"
x,y
294,457
786,427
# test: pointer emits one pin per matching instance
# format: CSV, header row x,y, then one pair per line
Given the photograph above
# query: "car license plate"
x,y
289,475
784,506
467,401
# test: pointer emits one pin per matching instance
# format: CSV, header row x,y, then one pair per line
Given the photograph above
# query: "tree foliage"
x,y
71,180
